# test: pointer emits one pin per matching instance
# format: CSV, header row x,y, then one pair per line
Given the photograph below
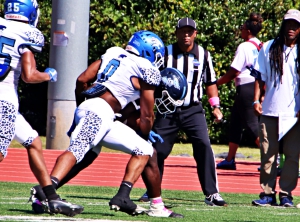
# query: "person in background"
x,y
20,39
242,115
196,64
278,68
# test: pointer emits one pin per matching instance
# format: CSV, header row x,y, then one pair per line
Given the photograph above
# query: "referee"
x,y
196,64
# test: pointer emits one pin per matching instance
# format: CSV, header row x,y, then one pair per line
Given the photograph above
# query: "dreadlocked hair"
x,y
276,55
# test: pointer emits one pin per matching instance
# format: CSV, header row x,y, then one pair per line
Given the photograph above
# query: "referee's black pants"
x,y
192,121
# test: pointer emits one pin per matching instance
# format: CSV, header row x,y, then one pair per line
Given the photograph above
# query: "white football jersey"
x,y
16,38
117,68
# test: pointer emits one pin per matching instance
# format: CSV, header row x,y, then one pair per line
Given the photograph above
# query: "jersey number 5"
x,y
5,66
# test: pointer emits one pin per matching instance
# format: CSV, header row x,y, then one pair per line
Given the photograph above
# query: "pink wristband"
x,y
214,101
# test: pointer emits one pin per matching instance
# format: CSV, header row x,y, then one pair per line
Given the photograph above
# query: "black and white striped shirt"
x,y
196,65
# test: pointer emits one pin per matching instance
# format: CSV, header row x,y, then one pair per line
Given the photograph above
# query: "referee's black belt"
x,y
189,106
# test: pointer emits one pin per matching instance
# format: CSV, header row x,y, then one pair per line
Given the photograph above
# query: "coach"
x,y
196,64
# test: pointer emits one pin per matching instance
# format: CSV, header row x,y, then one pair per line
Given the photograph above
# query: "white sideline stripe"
x,y
48,219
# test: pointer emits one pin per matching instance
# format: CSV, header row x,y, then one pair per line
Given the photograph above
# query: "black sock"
x,y
50,192
55,182
39,193
124,189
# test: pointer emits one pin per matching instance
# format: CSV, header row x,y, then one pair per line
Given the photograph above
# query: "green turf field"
x,y
14,197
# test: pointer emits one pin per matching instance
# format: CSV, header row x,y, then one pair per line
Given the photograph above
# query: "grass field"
x,y
14,197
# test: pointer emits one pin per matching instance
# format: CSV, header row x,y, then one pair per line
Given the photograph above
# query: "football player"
x,y
122,76
170,94
20,39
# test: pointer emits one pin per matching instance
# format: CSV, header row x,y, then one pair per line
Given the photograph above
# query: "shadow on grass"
x,y
23,211
84,213
89,197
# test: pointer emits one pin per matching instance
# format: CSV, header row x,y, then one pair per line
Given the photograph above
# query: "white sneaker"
x,y
158,209
162,213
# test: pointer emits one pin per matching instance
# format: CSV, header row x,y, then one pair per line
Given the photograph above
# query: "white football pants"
x,y
95,125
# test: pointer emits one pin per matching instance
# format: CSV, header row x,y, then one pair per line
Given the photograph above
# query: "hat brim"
x,y
186,26
292,18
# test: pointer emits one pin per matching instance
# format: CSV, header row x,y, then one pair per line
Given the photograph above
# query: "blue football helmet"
x,y
148,45
22,10
171,92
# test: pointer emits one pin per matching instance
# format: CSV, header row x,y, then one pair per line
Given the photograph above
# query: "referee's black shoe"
x,y
215,200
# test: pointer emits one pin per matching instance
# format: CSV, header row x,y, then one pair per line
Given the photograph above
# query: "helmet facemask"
x,y
166,104
159,60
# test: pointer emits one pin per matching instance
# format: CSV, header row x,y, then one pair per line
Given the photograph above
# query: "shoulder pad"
x,y
34,39
151,75
33,47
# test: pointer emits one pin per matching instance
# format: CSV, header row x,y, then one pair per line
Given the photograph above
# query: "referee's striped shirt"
x,y
196,65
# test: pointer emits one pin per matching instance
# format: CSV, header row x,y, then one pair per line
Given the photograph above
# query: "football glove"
x,y
52,73
153,137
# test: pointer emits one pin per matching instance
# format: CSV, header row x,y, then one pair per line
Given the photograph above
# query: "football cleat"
x,y
125,205
37,196
60,206
36,205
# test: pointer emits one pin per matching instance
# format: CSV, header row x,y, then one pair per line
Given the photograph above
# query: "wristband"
x,y
213,101
216,106
256,101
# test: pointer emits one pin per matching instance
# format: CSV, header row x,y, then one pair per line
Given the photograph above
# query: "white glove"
x,y
52,73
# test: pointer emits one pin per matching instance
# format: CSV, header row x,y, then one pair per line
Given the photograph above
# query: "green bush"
x,y
113,22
